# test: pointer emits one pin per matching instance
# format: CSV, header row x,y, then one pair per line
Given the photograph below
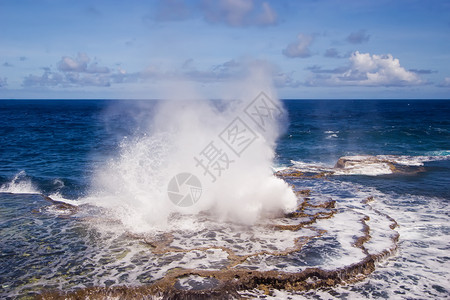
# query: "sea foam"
x,y
369,165
20,184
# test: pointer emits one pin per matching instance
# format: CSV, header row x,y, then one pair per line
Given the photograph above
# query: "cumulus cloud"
x,y
47,79
96,68
238,13
80,64
365,69
53,79
358,37
187,71
87,80
445,82
226,71
3,82
379,70
78,71
299,48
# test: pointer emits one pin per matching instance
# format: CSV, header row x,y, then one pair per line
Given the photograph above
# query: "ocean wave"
x,y
371,165
331,131
331,134
20,184
438,153
59,198
23,184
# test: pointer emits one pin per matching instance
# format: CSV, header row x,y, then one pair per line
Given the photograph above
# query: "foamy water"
x,y
20,184
367,164
202,243
418,269
107,236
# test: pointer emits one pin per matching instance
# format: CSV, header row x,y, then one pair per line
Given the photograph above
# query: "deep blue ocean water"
x,y
55,146
64,139
323,131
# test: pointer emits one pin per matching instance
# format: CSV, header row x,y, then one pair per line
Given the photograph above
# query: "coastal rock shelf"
x,y
324,243
369,165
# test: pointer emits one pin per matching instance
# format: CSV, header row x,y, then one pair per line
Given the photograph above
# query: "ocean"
x,y
374,175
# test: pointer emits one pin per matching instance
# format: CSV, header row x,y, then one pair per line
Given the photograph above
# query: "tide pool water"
x,y
394,153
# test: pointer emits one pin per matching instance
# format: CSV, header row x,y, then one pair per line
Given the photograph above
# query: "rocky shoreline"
x,y
231,282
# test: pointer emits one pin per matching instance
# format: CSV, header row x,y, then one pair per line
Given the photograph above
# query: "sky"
x,y
139,49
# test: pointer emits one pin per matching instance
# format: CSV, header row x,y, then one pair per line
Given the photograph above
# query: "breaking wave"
x,y
20,184
369,165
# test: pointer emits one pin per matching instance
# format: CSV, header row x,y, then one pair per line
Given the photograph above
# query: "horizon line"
x,y
212,99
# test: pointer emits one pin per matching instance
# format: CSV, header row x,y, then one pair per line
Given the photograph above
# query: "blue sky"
x,y
312,48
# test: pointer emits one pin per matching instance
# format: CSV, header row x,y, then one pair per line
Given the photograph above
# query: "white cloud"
x,y
79,73
368,70
445,82
54,79
46,79
95,68
379,70
72,72
299,48
238,13
78,79
228,71
80,64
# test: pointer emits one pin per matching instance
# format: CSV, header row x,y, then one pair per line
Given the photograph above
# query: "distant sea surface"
x,y
52,147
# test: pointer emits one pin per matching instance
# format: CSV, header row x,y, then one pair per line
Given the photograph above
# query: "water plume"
x,y
172,138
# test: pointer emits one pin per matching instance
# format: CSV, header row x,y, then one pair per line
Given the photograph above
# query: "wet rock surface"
x,y
247,269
